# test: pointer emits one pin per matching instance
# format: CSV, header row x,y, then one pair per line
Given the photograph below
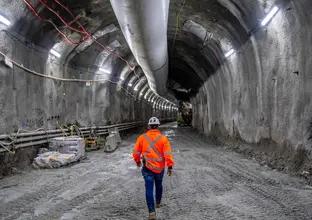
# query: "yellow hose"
x,y
64,134
11,152
177,25
81,134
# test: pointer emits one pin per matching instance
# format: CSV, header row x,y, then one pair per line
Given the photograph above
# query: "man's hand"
x,y
169,172
139,164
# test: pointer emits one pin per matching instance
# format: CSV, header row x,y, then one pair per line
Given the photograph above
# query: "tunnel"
x,y
77,67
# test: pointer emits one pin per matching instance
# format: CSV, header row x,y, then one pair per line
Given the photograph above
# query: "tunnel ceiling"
x,y
192,60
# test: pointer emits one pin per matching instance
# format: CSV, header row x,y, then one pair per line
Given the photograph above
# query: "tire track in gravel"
x,y
230,173
209,182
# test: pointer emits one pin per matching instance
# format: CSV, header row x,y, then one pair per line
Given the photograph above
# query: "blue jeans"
x,y
150,177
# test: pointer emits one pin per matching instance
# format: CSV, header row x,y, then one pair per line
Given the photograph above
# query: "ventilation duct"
x,y
144,25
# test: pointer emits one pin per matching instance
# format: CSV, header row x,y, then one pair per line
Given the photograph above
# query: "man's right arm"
x,y
137,151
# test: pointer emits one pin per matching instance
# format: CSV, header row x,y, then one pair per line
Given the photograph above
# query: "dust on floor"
x,y
209,182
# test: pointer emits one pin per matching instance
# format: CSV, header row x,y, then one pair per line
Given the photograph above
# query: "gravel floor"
x,y
209,182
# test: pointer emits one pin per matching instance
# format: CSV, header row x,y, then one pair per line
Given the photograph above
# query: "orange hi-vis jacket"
x,y
156,150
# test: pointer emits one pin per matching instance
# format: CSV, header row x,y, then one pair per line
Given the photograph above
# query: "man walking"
x,y
156,153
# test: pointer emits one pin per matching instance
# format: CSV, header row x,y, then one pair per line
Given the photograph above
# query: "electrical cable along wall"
x,y
88,36
43,96
30,101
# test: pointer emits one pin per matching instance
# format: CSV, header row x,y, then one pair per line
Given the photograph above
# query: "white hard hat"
x,y
153,121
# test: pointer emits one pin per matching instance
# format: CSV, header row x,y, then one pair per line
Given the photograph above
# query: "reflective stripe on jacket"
x,y
156,150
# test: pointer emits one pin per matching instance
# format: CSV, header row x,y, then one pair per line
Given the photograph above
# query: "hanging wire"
x,y
177,26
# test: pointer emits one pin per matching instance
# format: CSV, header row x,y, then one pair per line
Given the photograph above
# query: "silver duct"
x,y
144,25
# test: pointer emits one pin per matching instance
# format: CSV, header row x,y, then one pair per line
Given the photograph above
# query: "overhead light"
x,y
130,84
229,53
52,51
145,97
136,87
5,21
121,78
270,16
104,70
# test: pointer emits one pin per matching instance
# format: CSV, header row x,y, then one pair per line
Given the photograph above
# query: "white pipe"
x,y
144,25
44,133
42,137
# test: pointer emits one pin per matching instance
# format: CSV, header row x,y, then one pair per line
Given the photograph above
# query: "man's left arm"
x,y
168,156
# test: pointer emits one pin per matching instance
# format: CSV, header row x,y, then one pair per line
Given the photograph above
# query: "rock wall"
x,y
31,102
263,91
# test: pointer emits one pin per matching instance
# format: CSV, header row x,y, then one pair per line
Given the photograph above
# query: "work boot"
x,y
158,205
152,216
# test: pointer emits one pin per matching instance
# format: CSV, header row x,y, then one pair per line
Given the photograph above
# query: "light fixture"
x,y
136,87
270,15
52,51
229,53
146,94
5,21
104,70
130,84
121,78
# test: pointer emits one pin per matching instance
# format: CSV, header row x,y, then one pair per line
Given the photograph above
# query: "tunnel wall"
x,y
263,91
30,102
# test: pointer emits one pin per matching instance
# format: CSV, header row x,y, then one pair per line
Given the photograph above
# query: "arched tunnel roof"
x,y
192,60
201,37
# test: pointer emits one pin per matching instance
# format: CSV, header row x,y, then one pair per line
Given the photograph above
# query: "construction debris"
x,y
62,151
